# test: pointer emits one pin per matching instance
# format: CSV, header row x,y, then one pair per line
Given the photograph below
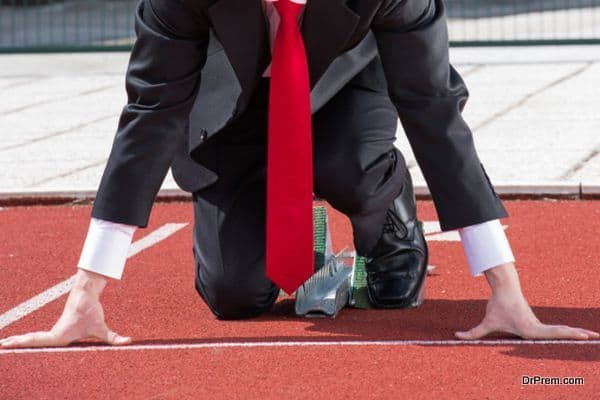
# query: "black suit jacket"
x,y
165,71
218,100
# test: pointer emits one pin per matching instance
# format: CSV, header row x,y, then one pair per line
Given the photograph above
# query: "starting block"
x,y
339,280
329,289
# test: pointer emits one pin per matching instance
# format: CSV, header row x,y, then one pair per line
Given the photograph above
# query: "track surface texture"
x,y
181,351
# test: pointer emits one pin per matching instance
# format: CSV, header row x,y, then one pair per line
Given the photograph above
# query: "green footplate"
x,y
360,297
320,235
322,244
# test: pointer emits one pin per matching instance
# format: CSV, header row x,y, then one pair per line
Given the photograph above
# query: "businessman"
x,y
256,104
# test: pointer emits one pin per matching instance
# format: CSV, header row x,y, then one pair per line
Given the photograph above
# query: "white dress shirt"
x,y
107,244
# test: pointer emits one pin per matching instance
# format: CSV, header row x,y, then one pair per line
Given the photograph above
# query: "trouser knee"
x,y
230,299
355,188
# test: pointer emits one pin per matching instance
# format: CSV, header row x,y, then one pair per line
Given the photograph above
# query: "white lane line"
x,y
155,237
395,343
55,292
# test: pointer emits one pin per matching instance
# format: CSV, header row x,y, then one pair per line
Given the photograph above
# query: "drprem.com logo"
x,y
552,380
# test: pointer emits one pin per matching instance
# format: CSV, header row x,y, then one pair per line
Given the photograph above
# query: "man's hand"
x,y
508,312
82,318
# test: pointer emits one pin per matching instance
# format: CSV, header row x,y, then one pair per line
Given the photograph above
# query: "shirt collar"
x,y
293,1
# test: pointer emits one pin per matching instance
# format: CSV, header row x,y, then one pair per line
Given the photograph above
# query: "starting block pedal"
x,y
339,280
329,289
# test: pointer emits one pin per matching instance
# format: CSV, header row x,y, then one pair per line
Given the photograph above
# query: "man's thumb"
x,y
115,339
478,332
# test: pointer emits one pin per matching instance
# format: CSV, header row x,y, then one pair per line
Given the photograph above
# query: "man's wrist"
x,y
502,277
89,282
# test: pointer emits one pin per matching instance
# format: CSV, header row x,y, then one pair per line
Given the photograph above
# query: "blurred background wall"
x,y
84,25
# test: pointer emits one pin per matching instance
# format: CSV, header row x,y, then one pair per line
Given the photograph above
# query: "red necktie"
x,y
289,252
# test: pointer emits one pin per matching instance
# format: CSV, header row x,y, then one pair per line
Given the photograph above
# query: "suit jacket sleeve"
x,y
162,80
429,94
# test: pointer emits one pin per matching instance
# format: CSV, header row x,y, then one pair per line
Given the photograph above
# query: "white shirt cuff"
x,y
486,246
106,248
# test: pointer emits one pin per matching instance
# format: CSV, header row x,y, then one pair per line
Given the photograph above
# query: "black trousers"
x,y
356,169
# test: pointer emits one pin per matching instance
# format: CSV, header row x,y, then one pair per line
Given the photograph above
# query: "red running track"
x,y
556,244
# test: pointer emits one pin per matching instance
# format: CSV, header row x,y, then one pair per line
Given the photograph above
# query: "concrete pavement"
x,y
535,113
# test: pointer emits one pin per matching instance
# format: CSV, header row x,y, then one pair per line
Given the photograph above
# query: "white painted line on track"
x,y
57,291
381,343
155,237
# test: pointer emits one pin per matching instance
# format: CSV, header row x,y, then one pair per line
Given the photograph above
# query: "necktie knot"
x,y
288,10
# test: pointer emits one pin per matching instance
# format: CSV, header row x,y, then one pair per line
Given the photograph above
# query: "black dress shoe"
x,y
397,265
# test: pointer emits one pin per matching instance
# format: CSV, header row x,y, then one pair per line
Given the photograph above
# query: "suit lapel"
x,y
326,28
241,29
240,26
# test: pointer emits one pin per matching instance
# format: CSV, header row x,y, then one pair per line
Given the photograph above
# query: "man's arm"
x,y
429,96
162,81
